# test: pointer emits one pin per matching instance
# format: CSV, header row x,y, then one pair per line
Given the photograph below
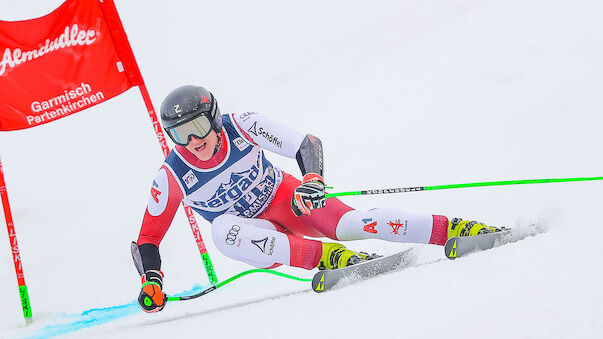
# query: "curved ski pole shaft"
x,y
235,277
466,185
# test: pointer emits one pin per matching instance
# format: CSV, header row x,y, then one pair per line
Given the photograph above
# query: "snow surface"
x,y
402,93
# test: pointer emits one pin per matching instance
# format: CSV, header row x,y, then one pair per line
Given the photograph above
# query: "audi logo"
x,y
232,234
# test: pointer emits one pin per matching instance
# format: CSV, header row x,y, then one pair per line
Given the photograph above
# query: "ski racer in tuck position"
x,y
260,214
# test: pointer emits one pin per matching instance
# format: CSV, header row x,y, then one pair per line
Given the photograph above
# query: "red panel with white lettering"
x,y
57,65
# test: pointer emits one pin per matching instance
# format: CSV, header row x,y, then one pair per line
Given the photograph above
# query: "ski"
x,y
459,246
325,280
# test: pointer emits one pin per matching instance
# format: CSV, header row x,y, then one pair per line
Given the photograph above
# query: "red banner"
x,y
62,63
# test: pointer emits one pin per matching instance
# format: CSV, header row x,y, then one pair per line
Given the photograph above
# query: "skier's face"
x,y
203,148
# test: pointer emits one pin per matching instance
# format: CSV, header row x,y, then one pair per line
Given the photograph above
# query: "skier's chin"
x,y
202,156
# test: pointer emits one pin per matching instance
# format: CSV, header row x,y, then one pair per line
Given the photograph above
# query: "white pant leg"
x,y
387,224
253,241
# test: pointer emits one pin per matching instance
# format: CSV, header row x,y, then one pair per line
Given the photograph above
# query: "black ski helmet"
x,y
186,103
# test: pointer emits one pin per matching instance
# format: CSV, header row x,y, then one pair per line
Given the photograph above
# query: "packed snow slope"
x,y
402,93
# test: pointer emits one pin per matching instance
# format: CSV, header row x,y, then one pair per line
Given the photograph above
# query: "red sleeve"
x,y
164,199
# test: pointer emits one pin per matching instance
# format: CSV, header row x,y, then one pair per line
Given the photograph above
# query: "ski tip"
x,y
450,249
318,282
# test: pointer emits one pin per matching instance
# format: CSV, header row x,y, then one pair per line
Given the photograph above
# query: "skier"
x,y
260,214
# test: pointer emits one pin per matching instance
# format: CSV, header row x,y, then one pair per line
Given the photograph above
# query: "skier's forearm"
x,y
309,156
149,253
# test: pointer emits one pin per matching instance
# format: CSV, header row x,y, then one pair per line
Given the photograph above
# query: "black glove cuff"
x,y
154,276
149,253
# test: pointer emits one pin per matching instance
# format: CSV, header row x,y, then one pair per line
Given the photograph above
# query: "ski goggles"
x,y
199,127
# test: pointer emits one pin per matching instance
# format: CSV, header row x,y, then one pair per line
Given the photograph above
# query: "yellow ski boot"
x,y
337,256
458,227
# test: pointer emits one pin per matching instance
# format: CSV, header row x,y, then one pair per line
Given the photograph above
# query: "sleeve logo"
x,y
265,134
159,194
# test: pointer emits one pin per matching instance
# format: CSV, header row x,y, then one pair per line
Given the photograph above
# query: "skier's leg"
x,y
263,244
399,226
393,225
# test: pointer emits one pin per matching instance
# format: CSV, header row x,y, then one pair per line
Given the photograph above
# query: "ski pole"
x,y
214,287
209,268
474,184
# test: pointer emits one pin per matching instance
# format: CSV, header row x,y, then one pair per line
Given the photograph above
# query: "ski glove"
x,y
151,298
309,195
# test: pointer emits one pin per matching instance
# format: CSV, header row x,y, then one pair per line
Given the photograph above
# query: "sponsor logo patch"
x,y
155,192
261,245
232,234
240,143
246,193
369,226
159,197
260,131
245,116
397,225
190,179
